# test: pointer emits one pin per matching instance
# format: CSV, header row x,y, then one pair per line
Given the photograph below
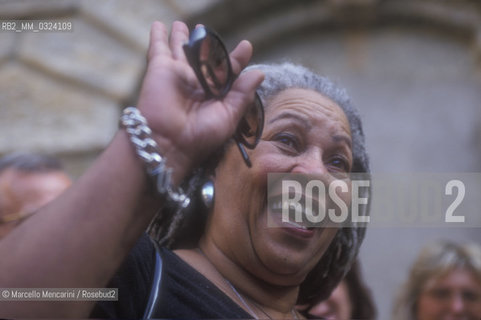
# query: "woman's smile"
x,y
305,133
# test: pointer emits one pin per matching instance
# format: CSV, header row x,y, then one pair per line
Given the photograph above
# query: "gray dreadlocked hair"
x,y
176,228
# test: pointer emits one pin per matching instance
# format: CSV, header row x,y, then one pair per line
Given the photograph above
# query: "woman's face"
x,y
25,192
456,295
304,133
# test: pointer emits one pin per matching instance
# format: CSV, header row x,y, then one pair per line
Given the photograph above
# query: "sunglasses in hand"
x,y
208,57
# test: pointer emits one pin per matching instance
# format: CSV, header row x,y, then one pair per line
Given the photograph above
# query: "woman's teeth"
x,y
278,207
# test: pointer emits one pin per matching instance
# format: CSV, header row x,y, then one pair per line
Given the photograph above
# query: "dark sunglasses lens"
x,y
214,64
251,125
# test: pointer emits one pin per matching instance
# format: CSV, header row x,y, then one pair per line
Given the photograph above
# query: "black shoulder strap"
x,y
154,290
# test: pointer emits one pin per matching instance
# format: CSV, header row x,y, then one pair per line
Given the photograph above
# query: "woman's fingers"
x,y
240,56
158,40
243,89
168,68
178,37
248,81
161,44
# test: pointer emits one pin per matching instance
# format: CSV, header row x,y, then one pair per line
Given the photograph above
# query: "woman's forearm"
x,y
80,239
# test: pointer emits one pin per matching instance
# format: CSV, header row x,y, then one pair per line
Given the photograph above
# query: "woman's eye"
x,y
470,296
288,140
440,293
340,164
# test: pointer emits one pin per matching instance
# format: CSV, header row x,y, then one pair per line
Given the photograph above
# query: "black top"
x,y
184,292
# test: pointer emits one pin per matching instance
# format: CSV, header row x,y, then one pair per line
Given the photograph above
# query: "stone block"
x,y
42,114
87,55
7,43
189,7
131,19
28,8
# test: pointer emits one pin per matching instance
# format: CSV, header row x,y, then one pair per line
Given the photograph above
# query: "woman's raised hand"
x,y
185,125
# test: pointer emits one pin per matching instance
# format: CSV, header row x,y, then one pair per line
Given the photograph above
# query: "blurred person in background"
x,y
351,299
27,182
444,283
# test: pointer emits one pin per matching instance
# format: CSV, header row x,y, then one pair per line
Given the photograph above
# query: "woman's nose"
x,y
456,304
311,163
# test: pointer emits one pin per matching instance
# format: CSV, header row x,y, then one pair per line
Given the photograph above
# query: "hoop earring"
x,y
208,194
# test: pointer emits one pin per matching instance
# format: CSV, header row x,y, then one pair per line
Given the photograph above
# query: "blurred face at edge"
x,y
22,193
455,295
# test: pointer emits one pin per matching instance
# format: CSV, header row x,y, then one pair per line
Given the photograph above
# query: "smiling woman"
x,y
322,136
213,255
310,128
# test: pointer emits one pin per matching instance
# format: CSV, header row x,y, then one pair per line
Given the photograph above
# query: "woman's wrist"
x,y
180,163
165,174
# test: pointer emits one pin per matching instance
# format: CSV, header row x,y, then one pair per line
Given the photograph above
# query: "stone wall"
x,y
62,91
411,66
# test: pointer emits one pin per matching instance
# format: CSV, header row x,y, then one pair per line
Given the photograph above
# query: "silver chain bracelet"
x,y
141,137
